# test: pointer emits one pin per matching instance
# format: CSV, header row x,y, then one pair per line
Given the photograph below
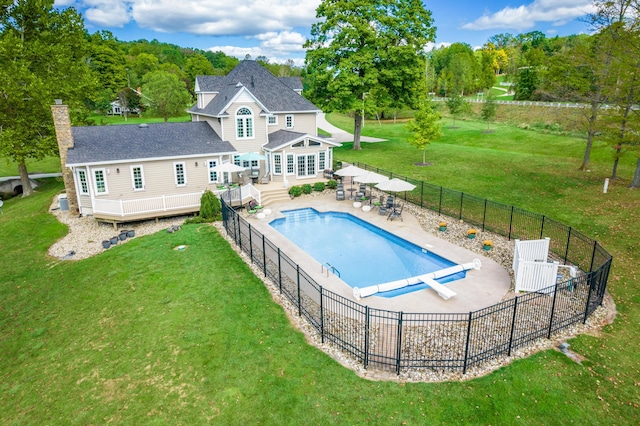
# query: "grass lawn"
x,y
47,165
143,333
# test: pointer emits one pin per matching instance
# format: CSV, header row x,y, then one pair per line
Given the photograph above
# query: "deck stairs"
x,y
274,195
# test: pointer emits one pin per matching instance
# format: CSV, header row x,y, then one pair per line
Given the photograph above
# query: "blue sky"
x,y
278,28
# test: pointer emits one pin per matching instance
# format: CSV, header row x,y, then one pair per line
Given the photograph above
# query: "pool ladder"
x,y
329,268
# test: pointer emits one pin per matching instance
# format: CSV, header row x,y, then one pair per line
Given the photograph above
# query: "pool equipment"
x,y
428,279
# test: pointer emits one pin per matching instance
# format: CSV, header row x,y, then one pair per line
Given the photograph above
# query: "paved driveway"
x,y
340,135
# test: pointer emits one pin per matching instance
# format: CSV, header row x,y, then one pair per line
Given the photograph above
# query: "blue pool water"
x,y
362,253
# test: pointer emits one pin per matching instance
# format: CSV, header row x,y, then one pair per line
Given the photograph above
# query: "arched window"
x,y
244,123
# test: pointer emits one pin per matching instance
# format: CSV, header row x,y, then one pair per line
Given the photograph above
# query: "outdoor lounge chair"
x,y
362,191
340,195
396,214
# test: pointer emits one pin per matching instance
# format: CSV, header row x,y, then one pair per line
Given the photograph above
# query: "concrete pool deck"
x,y
480,289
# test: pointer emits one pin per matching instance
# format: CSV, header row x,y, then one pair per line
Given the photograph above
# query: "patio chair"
x,y
252,207
383,209
362,191
340,195
390,202
396,214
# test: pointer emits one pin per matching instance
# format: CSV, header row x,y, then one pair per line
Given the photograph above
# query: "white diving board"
x,y
443,291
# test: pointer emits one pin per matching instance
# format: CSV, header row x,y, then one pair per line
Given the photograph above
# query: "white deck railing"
x,y
164,203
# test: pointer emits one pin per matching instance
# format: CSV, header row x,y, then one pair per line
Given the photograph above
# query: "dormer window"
x,y
244,123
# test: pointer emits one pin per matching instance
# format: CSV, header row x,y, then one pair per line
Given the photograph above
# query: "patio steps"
x,y
276,195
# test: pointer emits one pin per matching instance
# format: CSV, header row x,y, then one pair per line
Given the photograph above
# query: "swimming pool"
x,y
362,253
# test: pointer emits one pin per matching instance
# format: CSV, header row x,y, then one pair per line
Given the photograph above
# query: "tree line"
x,y
47,54
368,58
362,58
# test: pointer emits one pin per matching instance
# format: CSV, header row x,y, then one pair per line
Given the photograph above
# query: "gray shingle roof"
x,y
271,91
209,83
281,138
101,144
294,83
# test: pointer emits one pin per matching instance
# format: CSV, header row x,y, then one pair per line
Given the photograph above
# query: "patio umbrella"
x,y
351,171
251,157
395,185
227,168
370,177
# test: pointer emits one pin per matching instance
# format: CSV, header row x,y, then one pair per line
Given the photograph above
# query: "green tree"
x,y
197,65
425,127
456,105
165,93
362,46
488,111
43,55
527,83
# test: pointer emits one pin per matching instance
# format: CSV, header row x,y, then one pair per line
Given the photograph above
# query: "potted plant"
x,y
106,244
471,233
114,240
442,226
487,244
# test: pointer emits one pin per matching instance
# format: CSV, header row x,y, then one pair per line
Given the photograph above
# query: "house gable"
x,y
271,92
282,139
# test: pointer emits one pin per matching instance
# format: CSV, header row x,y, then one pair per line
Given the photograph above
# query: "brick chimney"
x,y
62,124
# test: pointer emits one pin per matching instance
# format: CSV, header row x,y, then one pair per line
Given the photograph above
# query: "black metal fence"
x,y
399,340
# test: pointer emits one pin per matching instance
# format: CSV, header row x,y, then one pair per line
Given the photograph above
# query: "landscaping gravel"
x,y
86,234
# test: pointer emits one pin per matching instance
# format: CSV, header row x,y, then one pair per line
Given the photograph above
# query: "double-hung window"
x,y
137,177
290,164
288,121
82,179
244,123
180,174
277,164
100,181
213,175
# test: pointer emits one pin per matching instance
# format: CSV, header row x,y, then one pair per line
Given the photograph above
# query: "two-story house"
x,y
257,112
133,172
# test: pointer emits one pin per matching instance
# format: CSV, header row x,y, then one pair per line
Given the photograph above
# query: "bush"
x,y
296,191
210,207
307,188
332,184
319,186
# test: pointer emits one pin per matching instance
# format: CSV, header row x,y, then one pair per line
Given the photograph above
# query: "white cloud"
x,y
214,18
109,13
277,47
524,17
